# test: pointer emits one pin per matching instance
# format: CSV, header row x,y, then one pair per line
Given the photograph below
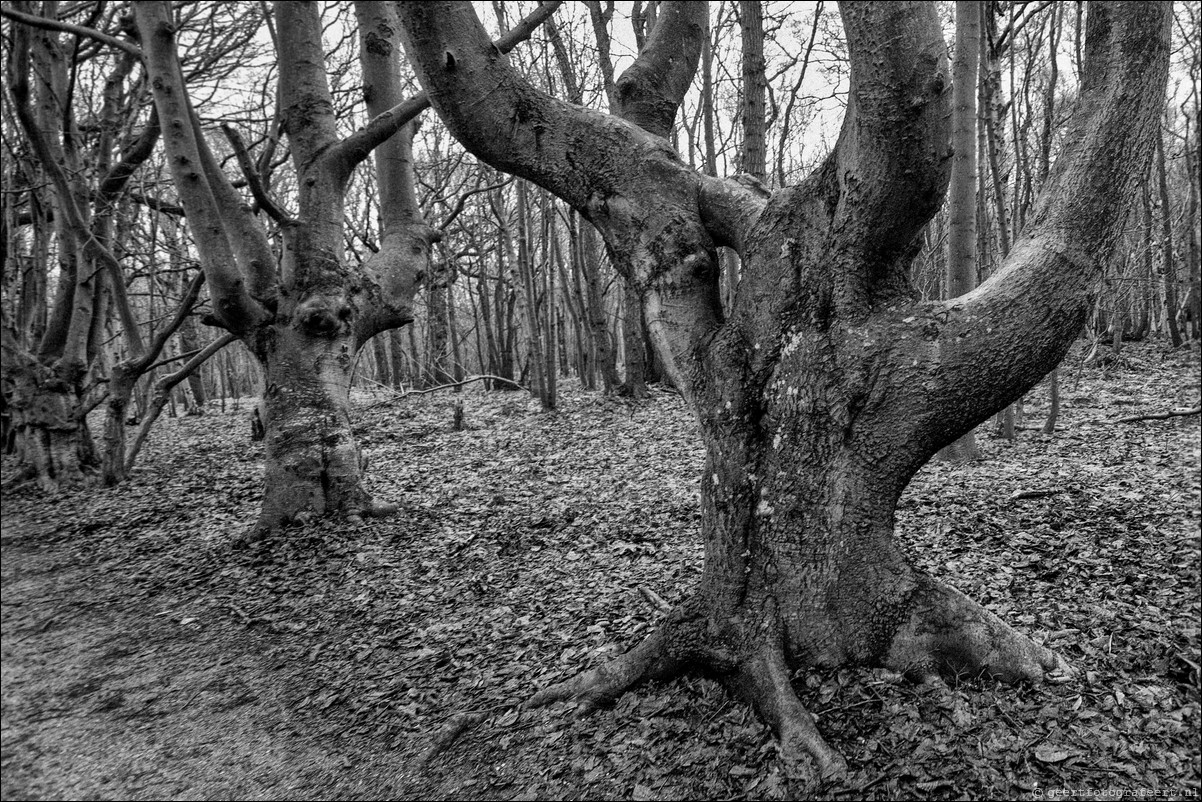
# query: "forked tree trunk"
x,y
306,315
802,567
44,370
827,386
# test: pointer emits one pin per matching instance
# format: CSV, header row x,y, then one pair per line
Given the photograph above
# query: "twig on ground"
x,y
1174,413
1020,494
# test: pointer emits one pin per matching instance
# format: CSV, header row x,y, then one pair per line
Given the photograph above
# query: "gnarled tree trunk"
x,y
312,465
828,385
53,444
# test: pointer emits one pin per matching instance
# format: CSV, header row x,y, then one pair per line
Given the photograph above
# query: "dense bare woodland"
x,y
808,392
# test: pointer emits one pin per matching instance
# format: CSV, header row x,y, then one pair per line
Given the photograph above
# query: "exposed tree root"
x,y
591,689
949,633
762,681
806,758
946,634
272,522
602,685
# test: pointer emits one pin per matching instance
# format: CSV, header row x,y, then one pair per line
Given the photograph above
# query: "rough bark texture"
x,y
54,446
753,160
827,385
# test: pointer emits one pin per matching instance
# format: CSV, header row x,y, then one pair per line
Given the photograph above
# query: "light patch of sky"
x,y
816,115
814,122
247,95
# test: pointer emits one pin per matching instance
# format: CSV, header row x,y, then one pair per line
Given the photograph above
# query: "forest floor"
x,y
146,655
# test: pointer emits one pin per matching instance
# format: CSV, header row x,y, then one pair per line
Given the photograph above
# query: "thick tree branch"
x,y
1022,320
355,147
305,105
395,271
650,91
527,26
837,246
253,181
729,208
626,181
233,305
379,57
253,252
492,109
892,160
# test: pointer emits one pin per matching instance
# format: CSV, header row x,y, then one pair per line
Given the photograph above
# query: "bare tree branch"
x,y
253,180
67,27
462,202
233,305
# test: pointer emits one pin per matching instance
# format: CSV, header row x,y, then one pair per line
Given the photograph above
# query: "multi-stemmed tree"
x,y
74,170
307,311
827,385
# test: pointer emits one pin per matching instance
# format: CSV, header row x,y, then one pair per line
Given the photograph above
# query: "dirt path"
x,y
108,697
